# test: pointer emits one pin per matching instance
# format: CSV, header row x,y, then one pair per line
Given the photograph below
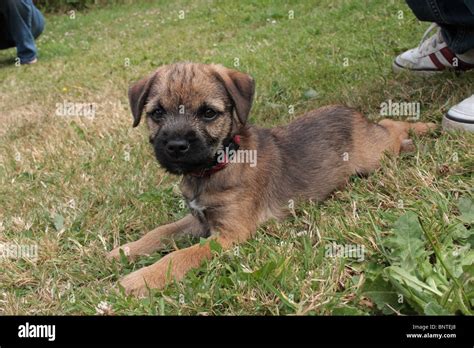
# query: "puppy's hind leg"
x,y
155,239
398,134
370,141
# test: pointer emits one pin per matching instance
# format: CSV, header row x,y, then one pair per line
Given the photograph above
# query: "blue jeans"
x,y
20,24
455,17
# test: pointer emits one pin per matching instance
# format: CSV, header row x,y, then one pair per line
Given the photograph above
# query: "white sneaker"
x,y
460,116
433,55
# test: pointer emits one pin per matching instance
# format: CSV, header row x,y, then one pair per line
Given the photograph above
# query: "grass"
x,y
77,186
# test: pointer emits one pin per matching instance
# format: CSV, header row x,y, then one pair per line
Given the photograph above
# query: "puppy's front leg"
x,y
154,239
174,266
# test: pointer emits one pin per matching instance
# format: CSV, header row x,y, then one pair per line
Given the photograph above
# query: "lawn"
x,y
75,187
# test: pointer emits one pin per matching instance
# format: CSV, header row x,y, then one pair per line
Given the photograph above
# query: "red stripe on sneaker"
x,y
436,61
449,55
455,61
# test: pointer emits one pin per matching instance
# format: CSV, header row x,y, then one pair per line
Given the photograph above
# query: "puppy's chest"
x,y
203,205
200,211
196,208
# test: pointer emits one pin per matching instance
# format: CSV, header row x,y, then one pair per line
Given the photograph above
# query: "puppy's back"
x,y
315,151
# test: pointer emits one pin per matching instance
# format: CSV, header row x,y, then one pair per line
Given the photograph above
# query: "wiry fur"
x,y
307,159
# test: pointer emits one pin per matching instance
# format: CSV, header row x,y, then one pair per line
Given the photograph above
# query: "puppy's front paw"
x,y
139,282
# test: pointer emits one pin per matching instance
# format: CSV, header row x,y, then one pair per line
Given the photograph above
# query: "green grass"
x,y
68,184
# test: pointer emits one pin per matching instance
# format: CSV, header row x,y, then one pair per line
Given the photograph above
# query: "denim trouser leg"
x,y
455,17
20,23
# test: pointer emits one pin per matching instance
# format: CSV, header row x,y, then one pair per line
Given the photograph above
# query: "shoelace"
x,y
427,45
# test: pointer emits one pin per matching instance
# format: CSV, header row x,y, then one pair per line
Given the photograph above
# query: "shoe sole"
x,y
34,61
398,69
450,124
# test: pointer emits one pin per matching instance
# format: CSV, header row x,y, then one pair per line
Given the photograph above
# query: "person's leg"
x,y
22,23
455,17
451,47
5,40
37,22
456,20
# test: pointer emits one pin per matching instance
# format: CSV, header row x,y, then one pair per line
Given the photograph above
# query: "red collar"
x,y
233,145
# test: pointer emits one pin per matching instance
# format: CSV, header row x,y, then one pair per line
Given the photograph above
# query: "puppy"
x,y
197,120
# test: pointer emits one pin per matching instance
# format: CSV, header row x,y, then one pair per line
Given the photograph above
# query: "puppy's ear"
x,y
138,95
241,88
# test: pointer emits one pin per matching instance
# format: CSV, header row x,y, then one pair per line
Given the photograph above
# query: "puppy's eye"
x,y
209,114
157,114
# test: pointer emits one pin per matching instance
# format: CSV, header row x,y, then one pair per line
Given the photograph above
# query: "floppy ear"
x,y
137,96
241,88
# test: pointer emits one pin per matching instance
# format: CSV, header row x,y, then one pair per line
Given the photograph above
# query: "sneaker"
x,y
433,55
460,116
33,61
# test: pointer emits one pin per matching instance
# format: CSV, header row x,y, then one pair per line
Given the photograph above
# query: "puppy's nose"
x,y
177,147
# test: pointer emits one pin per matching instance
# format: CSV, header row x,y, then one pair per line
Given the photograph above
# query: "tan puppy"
x,y
196,115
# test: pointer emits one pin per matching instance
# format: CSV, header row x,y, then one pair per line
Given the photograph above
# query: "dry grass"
x,y
99,176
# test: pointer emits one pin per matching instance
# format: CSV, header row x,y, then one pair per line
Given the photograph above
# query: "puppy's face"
x,y
190,111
